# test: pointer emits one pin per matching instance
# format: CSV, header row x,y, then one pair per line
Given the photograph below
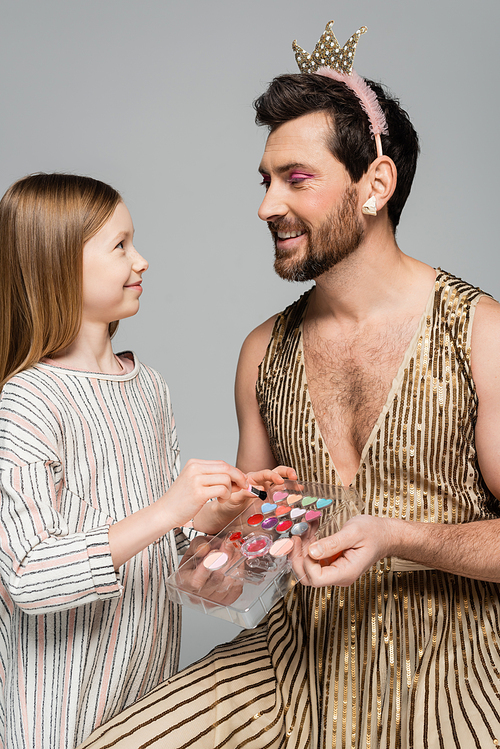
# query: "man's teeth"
x,y
289,234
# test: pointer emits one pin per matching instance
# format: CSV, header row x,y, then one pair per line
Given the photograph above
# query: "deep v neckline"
x,y
409,353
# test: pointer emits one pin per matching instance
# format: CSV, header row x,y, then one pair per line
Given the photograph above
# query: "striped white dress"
x,y
78,641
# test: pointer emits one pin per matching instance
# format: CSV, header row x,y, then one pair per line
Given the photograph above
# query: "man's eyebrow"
x,y
287,167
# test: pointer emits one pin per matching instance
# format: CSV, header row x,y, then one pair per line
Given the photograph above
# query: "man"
x,y
383,377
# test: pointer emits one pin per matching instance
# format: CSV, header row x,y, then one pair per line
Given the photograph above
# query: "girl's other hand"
x,y
267,477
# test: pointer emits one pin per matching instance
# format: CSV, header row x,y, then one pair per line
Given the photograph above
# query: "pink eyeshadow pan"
x,y
313,514
255,545
215,560
278,496
281,547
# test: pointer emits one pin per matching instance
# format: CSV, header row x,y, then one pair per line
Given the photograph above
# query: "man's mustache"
x,y
286,225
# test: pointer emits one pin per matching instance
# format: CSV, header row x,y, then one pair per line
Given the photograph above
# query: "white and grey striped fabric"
x,y
79,642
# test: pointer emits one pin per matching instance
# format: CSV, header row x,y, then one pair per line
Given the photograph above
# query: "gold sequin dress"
x,y
406,658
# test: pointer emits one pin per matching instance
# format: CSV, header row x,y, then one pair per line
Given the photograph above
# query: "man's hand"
x,y
340,559
468,549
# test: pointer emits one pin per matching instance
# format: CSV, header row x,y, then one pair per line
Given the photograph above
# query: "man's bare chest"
x,y
350,381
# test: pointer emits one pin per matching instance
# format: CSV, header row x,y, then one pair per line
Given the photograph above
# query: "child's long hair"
x,y
45,219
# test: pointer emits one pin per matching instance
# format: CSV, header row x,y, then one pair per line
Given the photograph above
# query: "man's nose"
x,y
273,206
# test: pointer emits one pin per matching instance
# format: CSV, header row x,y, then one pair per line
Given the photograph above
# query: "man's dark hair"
x,y
291,96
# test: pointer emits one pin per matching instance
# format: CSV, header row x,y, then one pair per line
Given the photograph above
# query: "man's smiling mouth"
x,y
289,234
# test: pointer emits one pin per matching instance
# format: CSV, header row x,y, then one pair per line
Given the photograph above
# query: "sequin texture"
x,y
328,52
400,652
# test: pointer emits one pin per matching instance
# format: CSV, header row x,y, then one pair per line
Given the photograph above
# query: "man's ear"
x,y
379,182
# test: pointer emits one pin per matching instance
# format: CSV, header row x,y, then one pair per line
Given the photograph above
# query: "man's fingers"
x,y
326,547
348,537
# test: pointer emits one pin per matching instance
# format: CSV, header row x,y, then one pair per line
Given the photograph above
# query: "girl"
x,y
91,500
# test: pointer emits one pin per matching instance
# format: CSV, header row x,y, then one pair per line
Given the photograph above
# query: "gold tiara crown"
x,y
328,52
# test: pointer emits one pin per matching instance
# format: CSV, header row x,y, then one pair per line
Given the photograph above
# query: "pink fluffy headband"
x,y
333,61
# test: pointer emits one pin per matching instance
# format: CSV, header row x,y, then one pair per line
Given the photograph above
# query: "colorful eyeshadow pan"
x,y
323,503
215,560
281,547
235,539
278,496
269,523
308,501
268,507
255,519
299,529
256,546
313,515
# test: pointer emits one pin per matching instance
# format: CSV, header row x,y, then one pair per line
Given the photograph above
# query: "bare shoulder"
x,y
252,352
485,362
488,309
485,344
255,344
486,328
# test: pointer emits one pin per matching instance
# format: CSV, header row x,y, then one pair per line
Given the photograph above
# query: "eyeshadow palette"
x,y
239,574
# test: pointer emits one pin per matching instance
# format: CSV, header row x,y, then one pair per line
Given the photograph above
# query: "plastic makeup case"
x,y
239,574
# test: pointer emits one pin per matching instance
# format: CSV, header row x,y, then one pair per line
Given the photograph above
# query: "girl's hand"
x,y
199,481
213,586
267,477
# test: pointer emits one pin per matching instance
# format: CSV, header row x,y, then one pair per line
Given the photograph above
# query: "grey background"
x,y
155,98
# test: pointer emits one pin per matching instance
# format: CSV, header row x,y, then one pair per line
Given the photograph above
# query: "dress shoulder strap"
x,y
286,327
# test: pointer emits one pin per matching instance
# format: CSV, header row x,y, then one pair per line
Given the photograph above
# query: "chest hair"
x,y
349,380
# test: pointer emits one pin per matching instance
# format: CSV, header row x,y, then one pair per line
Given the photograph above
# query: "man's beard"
x,y
338,237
